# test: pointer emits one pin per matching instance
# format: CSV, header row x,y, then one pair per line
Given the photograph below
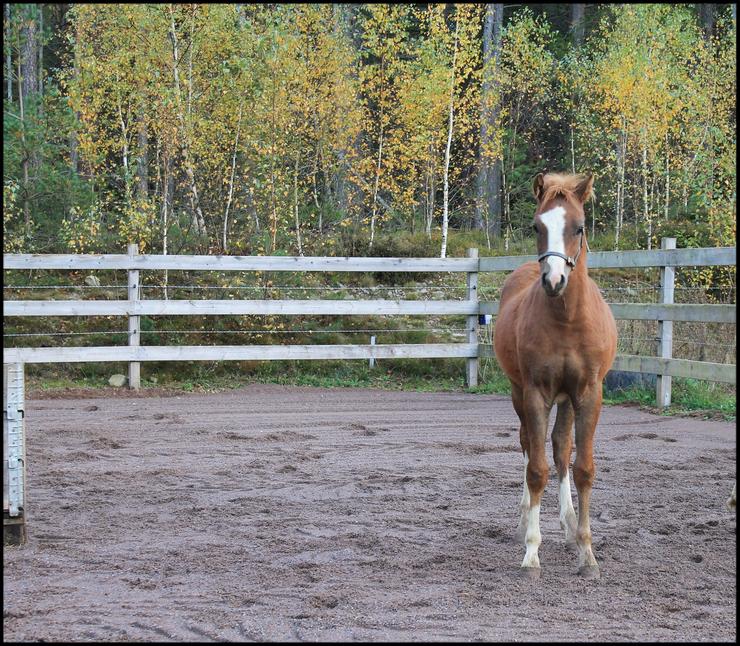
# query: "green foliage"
x,y
15,238
264,129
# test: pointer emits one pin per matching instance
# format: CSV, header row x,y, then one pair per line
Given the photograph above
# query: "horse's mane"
x,y
565,184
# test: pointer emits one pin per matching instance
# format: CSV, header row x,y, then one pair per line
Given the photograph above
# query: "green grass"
x,y
689,396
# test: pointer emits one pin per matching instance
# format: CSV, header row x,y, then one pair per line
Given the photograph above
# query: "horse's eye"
x,y
579,230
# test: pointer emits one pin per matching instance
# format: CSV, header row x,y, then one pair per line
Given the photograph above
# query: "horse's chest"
x,y
557,369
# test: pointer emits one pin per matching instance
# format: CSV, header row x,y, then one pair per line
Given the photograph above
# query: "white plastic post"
x,y
14,455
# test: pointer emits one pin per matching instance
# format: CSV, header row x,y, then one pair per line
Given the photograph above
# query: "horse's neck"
x,y
570,305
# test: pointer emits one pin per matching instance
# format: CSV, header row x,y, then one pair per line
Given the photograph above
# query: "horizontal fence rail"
x,y
241,352
621,311
655,312
217,307
701,256
656,365
720,256
238,263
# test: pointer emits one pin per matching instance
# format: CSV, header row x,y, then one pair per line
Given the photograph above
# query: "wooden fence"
x,y
471,307
665,312
134,307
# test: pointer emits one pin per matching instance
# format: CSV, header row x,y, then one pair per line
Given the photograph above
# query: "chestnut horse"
x,y
555,338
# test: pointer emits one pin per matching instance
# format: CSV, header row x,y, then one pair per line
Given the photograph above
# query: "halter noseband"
x,y
569,260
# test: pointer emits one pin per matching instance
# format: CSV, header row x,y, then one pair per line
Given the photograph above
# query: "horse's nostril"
x,y
562,280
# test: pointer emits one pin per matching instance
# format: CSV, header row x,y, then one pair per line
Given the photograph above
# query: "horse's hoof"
x,y
530,572
589,572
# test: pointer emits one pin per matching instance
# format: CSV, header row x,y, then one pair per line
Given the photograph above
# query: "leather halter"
x,y
569,260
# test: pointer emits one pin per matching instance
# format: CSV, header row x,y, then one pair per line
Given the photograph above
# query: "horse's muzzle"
x,y
557,289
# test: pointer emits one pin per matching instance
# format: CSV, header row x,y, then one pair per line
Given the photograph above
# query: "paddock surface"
x,y
283,513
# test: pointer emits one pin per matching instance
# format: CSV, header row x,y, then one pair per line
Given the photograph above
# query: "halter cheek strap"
x,y
569,260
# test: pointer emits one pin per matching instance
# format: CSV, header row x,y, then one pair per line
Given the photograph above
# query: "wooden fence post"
x,y
665,328
134,330
14,455
471,365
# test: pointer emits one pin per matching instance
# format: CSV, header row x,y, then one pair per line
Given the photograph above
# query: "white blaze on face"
x,y
554,221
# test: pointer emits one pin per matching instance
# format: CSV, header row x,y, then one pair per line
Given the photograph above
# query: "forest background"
x,y
364,129
315,129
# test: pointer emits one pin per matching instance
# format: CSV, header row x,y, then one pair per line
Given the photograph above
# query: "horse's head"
x,y
559,223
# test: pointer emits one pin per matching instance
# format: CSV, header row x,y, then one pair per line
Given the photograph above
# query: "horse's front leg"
x,y
586,417
535,414
517,398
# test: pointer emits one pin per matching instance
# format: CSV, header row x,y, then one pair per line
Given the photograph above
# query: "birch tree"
x,y
450,126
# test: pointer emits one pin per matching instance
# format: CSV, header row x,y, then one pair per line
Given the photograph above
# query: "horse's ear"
x,y
538,186
584,189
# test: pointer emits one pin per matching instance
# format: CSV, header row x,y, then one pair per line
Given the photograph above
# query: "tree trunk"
x,y
481,217
377,183
706,14
73,141
198,220
645,207
295,205
24,151
488,205
251,206
241,17
450,124
380,156
346,191
8,57
40,38
315,171
142,162
667,180
231,181
432,183
29,73
572,151
29,54
621,162
273,138
506,216
577,26
166,197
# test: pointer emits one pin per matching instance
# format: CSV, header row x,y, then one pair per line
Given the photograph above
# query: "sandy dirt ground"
x,y
288,514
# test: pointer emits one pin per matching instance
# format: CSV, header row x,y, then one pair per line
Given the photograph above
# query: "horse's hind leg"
x,y
517,399
586,416
562,445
